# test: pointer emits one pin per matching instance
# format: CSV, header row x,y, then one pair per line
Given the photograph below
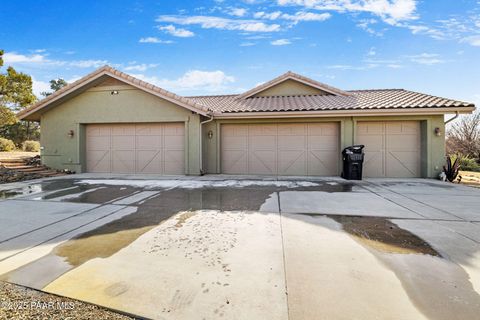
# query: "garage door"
x,y
135,148
392,149
280,149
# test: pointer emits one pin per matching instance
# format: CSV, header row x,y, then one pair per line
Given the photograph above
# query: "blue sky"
x,y
210,47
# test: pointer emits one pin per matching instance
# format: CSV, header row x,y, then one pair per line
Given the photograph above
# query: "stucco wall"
x,y
98,105
433,147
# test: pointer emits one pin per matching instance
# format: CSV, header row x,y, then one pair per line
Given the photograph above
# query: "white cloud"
x,y
210,22
176,32
238,12
87,63
472,40
426,58
192,80
247,44
371,52
12,58
154,40
391,11
299,16
39,87
140,67
307,16
280,42
270,16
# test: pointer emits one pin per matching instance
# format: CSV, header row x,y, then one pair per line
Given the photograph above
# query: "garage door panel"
x,y
149,161
373,164
280,149
136,148
392,148
148,129
152,142
262,130
262,162
98,143
322,129
327,143
234,162
98,161
292,129
291,162
324,164
174,143
122,142
123,130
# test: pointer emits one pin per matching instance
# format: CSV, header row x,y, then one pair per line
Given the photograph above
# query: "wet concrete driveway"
x,y
218,248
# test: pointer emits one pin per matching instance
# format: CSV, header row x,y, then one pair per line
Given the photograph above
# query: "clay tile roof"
x,y
356,100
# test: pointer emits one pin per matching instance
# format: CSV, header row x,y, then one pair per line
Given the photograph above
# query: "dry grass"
x,y
470,178
17,154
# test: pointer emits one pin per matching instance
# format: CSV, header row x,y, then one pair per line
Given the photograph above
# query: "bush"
x,y
468,164
31,146
6,145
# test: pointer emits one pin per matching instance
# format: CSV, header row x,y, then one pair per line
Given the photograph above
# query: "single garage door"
x,y
280,149
135,148
392,149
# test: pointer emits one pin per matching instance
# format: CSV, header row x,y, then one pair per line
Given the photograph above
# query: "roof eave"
x,y
343,113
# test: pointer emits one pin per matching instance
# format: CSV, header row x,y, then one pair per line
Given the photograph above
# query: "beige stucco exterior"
x,y
432,146
202,145
98,105
289,88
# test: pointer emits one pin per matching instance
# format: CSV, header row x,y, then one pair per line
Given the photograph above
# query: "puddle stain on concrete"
x,y
439,288
20,191
383,235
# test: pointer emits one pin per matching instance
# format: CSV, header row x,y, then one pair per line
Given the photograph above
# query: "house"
x,y
109,121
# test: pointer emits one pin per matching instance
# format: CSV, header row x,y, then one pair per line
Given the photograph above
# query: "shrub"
x,y
6,145
31,146
468,164
452,167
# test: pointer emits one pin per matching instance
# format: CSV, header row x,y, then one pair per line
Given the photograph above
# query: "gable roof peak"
x,y
107,70
290,75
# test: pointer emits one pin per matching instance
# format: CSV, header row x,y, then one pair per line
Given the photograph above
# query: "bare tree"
x,y
463,136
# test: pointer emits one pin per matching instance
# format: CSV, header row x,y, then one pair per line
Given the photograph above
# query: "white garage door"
x,y
392,149
135,148
280,149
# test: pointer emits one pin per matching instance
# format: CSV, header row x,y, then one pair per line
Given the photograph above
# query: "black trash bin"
x,y
353,162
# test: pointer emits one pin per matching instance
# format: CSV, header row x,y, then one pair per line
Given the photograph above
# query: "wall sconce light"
x,y
70,134
210,134
438,132
114,92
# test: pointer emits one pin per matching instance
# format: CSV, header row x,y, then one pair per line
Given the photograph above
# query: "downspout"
x,y
202,172
455,117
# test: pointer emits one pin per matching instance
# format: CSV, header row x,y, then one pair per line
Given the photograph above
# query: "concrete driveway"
x,y
221,248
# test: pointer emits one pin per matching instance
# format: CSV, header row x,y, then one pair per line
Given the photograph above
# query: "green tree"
x,y
15,94
55,85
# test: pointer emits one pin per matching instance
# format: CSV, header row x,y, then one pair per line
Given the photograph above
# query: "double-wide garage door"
x,y
136,148
392,148
280,149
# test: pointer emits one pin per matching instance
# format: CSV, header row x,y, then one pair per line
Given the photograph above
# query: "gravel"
x,y
17,302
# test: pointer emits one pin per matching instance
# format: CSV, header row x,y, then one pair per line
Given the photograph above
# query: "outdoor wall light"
x,y
114,92
70,134
438,132
210,134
